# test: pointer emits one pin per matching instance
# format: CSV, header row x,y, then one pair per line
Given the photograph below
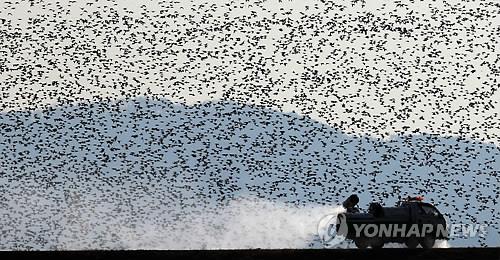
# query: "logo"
x,y
333,229
328,232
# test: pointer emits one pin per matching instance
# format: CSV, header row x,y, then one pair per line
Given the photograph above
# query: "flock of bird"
x,y
116,117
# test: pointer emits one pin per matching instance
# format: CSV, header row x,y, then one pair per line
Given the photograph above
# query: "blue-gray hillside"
x,y
122,163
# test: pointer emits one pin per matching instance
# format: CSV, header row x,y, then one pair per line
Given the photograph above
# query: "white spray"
x,y
242,223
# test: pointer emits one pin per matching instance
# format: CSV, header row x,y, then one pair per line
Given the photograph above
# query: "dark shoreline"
x,y
314,254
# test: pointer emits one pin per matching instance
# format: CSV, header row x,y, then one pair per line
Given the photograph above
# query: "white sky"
x,y
450,72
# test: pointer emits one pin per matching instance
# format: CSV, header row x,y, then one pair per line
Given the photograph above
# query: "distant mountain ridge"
x,y
130,157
